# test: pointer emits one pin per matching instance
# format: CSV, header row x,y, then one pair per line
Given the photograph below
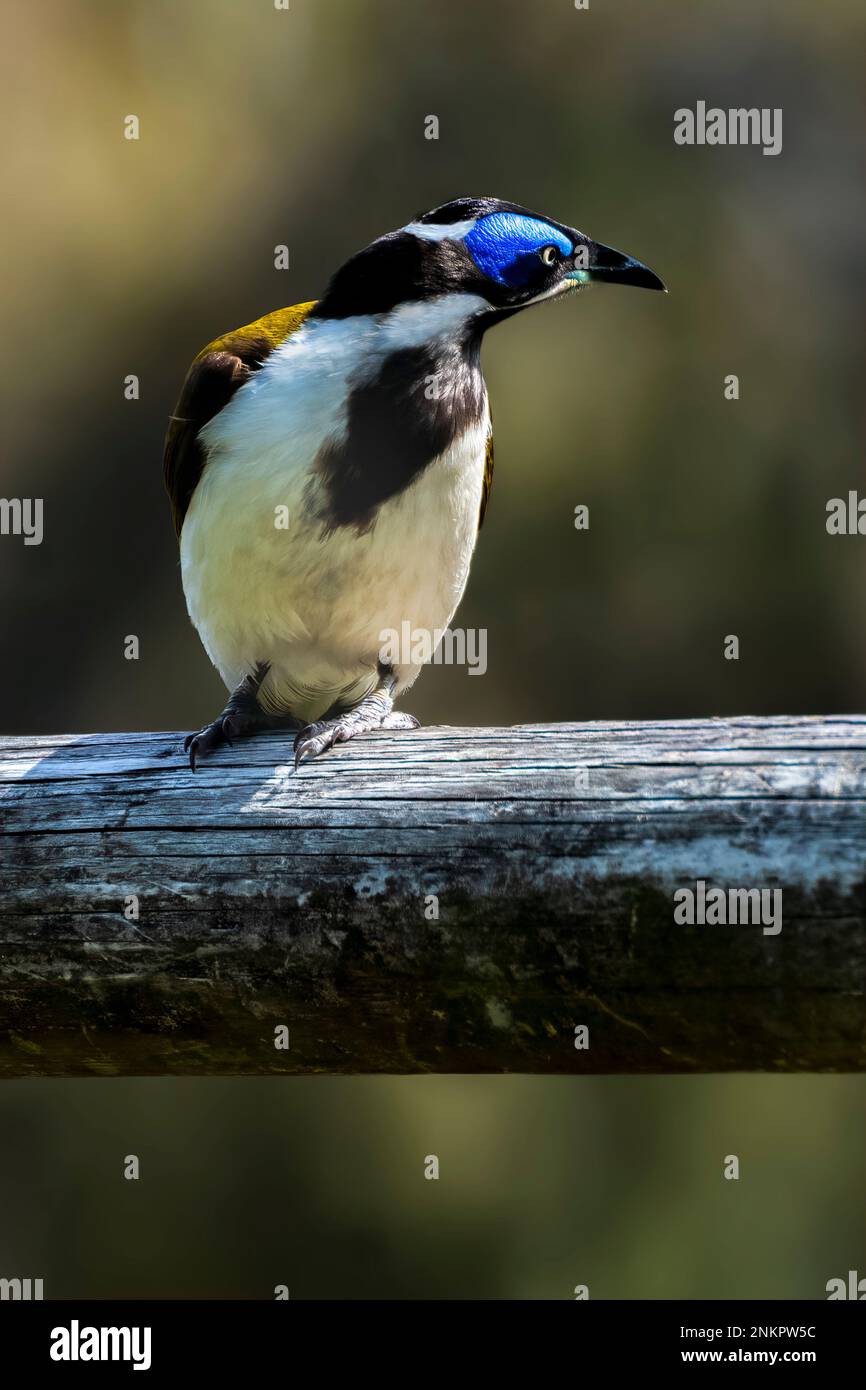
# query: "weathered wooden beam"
x,y
309,900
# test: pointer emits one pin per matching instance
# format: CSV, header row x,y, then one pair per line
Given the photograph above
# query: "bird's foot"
x,y
363,719
242,715
224,729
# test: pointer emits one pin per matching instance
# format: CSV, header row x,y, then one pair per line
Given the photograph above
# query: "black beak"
x,y
604,265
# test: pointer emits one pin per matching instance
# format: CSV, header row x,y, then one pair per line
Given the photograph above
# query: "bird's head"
x,y
501,256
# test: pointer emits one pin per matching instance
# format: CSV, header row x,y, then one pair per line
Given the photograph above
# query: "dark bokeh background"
x,y
306,127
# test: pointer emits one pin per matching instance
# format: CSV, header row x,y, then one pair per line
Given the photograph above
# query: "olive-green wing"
x,y
217,372
487,484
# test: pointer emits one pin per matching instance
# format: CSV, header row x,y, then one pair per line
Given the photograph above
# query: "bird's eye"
x,y
549,254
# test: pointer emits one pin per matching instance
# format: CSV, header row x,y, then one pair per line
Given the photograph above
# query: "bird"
x,y
329,466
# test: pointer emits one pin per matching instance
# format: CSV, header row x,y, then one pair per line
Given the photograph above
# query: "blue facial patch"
x,y
505,245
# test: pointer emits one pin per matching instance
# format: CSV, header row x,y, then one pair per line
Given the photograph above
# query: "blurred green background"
x,y
306,127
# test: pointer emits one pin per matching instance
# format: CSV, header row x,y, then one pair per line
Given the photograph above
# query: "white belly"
x,y
318,607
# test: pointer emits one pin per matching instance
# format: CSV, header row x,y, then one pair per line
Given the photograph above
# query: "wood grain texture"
x,y
270,897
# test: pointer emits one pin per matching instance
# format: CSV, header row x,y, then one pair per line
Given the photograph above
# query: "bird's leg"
x,y
375,711
242,715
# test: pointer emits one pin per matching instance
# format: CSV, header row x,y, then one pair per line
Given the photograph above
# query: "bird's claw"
x,y
315,738
208,738
324,733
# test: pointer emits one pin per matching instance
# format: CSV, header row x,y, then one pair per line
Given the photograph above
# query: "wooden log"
x,y
446,900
